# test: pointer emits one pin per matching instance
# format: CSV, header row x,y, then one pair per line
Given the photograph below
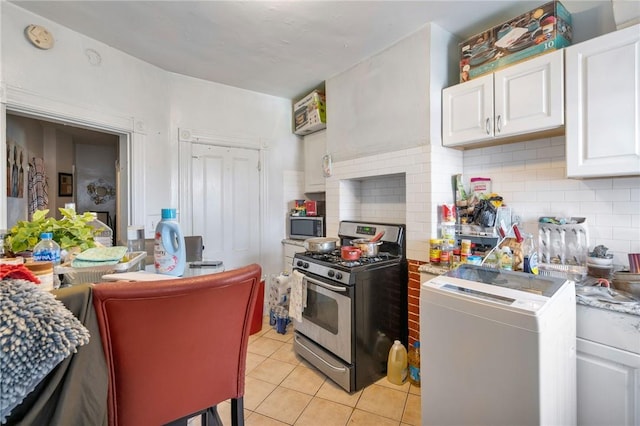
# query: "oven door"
x,y
326,319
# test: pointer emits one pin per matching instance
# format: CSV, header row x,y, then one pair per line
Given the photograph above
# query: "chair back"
x,y
193,248
175,347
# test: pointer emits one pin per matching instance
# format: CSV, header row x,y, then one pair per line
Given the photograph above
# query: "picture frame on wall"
x,y
65,185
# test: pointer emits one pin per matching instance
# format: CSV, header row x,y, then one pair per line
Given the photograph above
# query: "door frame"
x,y
131,144
186,139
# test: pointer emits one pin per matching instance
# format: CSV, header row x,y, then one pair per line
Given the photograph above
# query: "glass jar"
x,y
435,250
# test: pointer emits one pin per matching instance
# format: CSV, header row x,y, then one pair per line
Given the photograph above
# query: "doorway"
x,y
81,166
226,203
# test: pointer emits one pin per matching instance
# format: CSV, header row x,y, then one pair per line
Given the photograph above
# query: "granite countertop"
x,y
432,269
293,242
627,308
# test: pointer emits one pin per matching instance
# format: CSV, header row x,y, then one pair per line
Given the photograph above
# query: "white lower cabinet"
x,y
603,105
608,385
608,367
290,249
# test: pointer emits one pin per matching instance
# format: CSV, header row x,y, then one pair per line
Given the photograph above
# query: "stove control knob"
x,y
299,263
331,273
338,276
306,265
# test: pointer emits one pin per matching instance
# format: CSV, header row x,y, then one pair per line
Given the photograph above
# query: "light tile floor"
x,y
283,389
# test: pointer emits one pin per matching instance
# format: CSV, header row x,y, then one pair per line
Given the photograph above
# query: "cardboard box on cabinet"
x,y
310,114
540,30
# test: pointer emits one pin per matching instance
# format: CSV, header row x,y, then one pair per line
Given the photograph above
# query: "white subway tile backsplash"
x,y
599,233
537,144
552,152
501,157
627,182
618,220
538,163
580,196
595,207
553,196
595,184
534,184
613,195
622,207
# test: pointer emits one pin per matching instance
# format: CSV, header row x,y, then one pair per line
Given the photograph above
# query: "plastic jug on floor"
x,y
397,364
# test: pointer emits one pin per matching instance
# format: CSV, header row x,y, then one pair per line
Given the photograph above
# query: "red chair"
x,y
176,348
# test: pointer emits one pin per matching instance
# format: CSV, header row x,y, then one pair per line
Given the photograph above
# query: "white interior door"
x,y
225,204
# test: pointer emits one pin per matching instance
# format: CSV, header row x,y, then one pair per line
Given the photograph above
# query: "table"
x,y
75,392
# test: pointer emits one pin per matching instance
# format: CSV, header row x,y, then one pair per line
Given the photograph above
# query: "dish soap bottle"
x,y
169,251
414,364
397,364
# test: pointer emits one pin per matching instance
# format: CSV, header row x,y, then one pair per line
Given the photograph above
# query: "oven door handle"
x,y
325,285
333,367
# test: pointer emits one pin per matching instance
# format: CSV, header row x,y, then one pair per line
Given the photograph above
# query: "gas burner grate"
x,y
335,258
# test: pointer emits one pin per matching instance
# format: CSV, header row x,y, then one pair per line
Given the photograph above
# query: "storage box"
x,y
310,114
541,30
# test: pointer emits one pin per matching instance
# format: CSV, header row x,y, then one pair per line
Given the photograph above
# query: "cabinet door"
x,y
603,105
467,112
529,97
289,251
315,146
608,385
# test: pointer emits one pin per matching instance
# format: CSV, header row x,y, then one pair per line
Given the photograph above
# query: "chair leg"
x,y
237,411
212,418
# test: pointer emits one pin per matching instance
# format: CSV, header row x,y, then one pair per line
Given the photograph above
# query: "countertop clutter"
x,y
615,300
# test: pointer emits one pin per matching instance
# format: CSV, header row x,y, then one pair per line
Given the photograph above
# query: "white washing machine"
x,y
497,348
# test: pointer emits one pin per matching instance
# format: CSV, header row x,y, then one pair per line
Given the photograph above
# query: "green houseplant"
x,y
73,230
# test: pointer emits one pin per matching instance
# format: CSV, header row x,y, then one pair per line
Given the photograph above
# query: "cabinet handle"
x,y
486,126
499,124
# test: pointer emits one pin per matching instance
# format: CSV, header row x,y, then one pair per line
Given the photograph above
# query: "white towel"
x,y
298,300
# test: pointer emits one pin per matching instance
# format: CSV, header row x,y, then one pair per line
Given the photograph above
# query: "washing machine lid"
x,y
535,284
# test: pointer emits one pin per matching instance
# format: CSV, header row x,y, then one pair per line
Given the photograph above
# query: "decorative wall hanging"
x,y
65,185
101,191
15,171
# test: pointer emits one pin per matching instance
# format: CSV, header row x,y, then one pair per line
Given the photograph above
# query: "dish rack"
x,y
93,274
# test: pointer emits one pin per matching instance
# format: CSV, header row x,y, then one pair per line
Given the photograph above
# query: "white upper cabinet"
x,y
315,147
603,105
523,99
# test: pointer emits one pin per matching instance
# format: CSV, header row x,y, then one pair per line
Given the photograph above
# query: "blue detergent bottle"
x,y
169,251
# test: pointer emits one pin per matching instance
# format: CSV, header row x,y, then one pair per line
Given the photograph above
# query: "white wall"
x,y
158,103
531,178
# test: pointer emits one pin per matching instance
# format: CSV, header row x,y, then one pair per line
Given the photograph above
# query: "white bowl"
x,y
599,261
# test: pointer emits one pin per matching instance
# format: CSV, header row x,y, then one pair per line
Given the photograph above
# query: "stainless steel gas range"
x,y
355,310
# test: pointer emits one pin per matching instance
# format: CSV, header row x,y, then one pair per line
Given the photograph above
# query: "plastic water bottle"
x,y
135,243
414,364
169,251
530,255
397,364
104,236
47,250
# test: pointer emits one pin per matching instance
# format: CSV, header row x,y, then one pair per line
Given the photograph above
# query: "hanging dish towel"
x,y
298,300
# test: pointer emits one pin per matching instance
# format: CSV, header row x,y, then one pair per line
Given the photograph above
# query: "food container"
x,y
310,114
627,281
320,244
540,30
369,248
350,253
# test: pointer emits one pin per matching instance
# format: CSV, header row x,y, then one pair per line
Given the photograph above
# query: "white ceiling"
x,y
282,48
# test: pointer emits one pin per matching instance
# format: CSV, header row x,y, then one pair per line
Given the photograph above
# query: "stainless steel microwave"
x,y
303,227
